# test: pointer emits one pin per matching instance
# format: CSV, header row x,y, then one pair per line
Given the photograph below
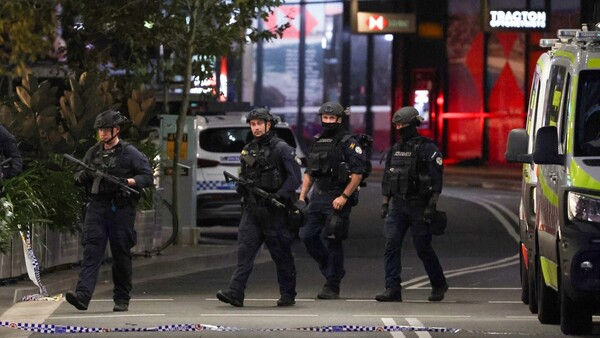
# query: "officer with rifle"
x,y
113,173
269,176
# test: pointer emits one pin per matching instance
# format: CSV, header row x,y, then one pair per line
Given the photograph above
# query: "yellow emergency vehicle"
x,y
560,205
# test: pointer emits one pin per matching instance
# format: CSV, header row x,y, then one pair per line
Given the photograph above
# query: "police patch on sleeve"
x,y
358,150
297,159
438,160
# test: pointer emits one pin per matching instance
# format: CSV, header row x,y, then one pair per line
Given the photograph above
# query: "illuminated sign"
x,y
522,20
385,23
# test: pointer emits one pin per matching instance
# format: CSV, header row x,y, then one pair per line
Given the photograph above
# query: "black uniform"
x,y
413,173
8,149
333,157
110,217
270,164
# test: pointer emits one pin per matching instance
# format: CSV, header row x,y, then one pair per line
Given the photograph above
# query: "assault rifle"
x,y
108,177
258,191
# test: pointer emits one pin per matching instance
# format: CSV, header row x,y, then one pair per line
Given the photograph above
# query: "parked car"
x,y
221,140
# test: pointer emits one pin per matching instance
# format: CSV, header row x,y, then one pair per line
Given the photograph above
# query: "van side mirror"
x,y
516,146
546,147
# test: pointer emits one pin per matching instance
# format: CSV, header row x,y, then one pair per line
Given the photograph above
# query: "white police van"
x,y
221,139
564,152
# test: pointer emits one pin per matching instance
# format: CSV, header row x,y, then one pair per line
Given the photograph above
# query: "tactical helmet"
x,y
261,114
407,115
109,119
332,108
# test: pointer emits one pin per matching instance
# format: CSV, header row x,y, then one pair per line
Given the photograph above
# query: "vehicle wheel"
x,y
533,297
524,279
548,307
575,317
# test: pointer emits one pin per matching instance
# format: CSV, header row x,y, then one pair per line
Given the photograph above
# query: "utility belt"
x,y
411,199
329,185
117,199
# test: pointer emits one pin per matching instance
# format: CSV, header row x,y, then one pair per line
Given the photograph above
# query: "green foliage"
x,y
27,31
35,118
88,97
63,200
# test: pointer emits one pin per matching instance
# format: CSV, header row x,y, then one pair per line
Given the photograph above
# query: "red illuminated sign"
x,y
384,23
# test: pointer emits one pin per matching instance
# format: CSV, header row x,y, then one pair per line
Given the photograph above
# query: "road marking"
x,y
403,301
412,315
492,207
504,302
110,316
391,322
417,323
255,315
267,299
29,312
138,300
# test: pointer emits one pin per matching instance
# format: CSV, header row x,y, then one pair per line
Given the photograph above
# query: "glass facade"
x,y
294,75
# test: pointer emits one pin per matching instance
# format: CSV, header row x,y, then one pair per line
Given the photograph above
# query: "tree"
x,y
126,36
201,30
27,31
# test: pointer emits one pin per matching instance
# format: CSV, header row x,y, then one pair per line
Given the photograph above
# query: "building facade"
x,y
466,65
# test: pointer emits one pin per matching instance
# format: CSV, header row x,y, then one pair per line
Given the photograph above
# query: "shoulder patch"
x,y
298,161
439,160
358,150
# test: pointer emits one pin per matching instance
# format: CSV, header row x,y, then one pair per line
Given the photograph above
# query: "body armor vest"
x,y
325,155
408,174
261,165
107,161
326,164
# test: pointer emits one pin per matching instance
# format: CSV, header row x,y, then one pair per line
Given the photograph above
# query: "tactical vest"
x,y
326,162
262,165
408,175
107,161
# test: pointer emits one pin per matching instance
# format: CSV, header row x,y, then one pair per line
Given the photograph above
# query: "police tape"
x,y
67,329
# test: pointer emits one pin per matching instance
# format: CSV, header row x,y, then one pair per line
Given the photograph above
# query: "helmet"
x,y
109,119
332,108
261,114
407,115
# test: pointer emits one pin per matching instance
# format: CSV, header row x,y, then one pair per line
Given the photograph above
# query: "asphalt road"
x,y
479,255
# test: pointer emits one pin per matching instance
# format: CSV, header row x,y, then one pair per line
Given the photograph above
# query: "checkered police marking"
x,y
214,185
62,329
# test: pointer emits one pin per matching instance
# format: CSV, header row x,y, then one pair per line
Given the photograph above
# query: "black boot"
x,y
437,294
389,295
328,293
75,301
231,297
286,301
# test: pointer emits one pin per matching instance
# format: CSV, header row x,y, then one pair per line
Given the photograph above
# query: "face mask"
x,y
331,128
408,132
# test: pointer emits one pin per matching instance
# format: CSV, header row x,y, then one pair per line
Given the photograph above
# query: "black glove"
x,y
429,212
83,176
385,209
300,205
241,189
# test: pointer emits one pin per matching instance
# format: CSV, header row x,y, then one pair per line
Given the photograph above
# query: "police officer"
x,y
110,213
9,150
270,164
411,186
335,167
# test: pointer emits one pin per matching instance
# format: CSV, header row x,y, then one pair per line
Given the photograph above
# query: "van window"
x,y
233,139
533,101
555,95
562,126
587,120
